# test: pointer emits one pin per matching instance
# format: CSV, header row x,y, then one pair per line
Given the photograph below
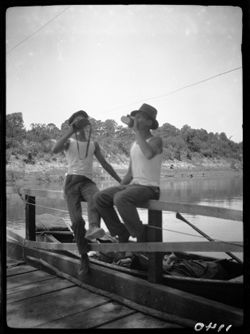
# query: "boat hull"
x,y
225,291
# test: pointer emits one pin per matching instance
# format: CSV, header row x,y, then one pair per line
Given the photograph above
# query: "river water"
x,y
221,191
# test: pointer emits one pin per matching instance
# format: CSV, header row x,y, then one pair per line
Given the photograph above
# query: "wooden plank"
x,y
154,235
53,194
26,278
91,318
30,217
113,266
21,269
18,238
189,246
37,288
139,320
33,312
162,298
13,262
15,250
168,317
194,209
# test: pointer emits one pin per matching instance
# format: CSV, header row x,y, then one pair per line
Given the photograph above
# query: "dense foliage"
x,y
115,140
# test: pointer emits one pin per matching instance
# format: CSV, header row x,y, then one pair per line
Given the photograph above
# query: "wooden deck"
x,y
37,299
106,298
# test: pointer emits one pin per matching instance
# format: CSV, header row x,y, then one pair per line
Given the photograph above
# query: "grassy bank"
x,y
48,171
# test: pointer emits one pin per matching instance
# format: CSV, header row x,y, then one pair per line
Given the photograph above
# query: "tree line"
x,y
181,144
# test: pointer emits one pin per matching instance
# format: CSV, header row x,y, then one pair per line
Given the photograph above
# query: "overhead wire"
x,y
36,31
196,83
137,101
178,89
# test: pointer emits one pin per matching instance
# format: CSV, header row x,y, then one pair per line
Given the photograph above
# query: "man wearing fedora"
x,y
79,186
141,182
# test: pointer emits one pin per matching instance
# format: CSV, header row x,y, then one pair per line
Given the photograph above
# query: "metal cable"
x,y
193,235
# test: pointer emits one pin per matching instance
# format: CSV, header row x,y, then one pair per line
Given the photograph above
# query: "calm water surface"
x,y
219,191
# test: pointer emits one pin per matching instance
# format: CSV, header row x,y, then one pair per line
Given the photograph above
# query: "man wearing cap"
x,y
141,182
78,186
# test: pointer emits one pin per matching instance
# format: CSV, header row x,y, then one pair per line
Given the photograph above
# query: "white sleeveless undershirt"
x,y
145,171
77,163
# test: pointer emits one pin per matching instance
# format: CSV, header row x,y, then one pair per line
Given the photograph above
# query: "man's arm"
x,y
151,148
105,164
128,177
63,142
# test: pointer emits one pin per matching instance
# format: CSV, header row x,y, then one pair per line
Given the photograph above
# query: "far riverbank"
x,y
53,171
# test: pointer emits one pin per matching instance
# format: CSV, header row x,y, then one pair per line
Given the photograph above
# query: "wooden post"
x,y
30,217
155,259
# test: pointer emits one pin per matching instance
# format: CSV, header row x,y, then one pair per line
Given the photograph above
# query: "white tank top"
x,y
77,163
145,171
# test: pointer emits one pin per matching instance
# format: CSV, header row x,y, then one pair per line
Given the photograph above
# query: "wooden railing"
x,y
155,209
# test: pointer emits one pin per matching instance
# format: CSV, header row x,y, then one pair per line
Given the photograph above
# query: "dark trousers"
x,y
77,189
125,198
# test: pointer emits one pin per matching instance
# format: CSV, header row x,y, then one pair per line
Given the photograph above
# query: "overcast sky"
x,y
110,59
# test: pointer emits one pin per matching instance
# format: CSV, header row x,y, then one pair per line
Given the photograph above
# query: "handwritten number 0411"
x,y
200,326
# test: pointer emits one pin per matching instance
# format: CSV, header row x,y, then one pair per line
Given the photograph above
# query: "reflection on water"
x,y
223,192
226,191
